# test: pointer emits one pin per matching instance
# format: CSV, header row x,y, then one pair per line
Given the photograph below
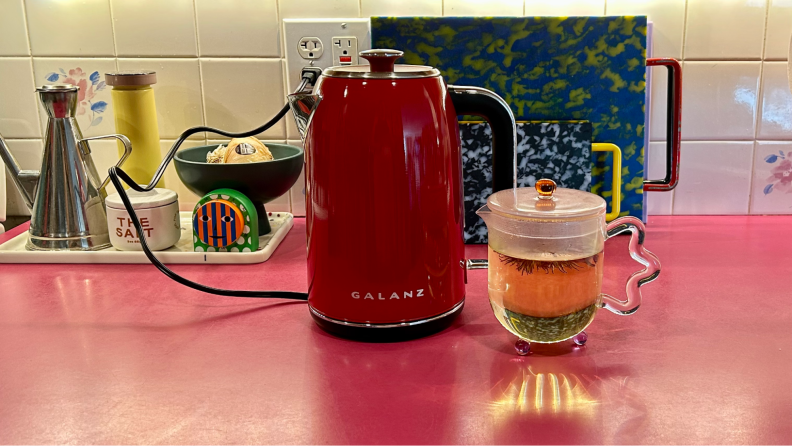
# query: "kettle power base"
x,y
396,332
13,251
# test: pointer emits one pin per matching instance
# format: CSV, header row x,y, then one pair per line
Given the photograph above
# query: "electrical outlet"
x,y
324,31
310,48
345,50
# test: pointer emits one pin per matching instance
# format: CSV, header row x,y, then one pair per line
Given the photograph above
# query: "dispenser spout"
x,y
25,180
303,106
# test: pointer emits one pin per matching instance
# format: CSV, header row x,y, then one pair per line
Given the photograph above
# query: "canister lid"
x,y
381,66
131,78
143,200
546,202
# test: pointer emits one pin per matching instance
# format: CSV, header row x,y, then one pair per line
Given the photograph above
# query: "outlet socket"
x,y
345,50
310,48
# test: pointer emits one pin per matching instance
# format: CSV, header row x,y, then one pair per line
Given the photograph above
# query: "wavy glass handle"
x,y
642,256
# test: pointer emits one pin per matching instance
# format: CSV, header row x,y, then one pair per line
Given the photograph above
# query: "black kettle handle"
x,y
482,102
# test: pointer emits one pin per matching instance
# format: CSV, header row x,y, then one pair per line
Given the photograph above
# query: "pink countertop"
x,y
120,354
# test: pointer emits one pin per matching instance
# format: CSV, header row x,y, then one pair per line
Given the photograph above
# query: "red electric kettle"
x,y
384,202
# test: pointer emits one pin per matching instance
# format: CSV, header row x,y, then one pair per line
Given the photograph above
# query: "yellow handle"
x,y
617,179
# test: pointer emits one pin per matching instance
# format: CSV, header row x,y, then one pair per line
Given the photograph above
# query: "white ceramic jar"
x,y
158,212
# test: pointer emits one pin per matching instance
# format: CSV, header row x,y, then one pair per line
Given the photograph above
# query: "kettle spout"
x,y
303,106
25,180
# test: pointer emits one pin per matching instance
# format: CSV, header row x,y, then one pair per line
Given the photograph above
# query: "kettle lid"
x,y
382,65
546,202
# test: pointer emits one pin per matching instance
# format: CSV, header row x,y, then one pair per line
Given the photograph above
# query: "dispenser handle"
x,y
485,103
639,254
127,151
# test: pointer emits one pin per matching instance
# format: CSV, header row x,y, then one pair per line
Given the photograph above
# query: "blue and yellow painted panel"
x,y
546,68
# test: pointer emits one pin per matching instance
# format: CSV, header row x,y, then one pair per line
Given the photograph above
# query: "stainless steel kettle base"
x,y
387,332
87,243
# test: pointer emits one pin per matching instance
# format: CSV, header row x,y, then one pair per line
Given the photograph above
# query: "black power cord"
x,y
309,77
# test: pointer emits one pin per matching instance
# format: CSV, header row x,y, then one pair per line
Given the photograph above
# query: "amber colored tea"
x,y
544,300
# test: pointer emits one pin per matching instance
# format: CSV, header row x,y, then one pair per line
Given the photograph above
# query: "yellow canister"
x,y
136,117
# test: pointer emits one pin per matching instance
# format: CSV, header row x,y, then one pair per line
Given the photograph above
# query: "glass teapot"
x,y
545,258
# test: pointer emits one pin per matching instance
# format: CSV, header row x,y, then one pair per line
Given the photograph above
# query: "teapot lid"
x,y
381,66
546,202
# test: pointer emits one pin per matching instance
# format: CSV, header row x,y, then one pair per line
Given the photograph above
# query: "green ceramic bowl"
x,y
261,182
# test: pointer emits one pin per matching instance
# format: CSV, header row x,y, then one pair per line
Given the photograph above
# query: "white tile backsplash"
x,y
564,7
177,93
779,25
714,178
241,28
300,9
659,103
775,111
242,94
19,109
13,30
719,100
771,188
95,108
220,63
725,29
396,8
154,27
454,8
69,28
668,17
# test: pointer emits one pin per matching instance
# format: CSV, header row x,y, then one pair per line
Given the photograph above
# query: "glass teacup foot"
x,y
580,338
523,347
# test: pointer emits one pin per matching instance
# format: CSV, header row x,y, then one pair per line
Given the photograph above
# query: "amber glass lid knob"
x,y
545,188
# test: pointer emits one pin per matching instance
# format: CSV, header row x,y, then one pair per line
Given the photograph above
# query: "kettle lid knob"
x,y
381,61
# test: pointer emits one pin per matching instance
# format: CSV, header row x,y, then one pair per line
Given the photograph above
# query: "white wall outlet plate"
x,y
353,36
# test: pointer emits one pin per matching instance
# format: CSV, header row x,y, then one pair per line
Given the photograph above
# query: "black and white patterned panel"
x,y
559,150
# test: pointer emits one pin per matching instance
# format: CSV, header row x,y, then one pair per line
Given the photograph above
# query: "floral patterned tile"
x,y
95,109
771,188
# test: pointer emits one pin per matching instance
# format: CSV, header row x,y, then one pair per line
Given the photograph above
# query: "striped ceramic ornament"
x,y
225,220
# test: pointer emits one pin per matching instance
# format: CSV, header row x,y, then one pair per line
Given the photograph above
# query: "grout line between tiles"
x,y
751,178
30,63
759,104
759,101
27,27
764,30
112,29
195,22
684,36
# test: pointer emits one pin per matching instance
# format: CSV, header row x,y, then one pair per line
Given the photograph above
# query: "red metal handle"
x,y
673,125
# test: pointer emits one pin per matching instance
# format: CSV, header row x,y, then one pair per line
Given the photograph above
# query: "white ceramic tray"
x,y
13,251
